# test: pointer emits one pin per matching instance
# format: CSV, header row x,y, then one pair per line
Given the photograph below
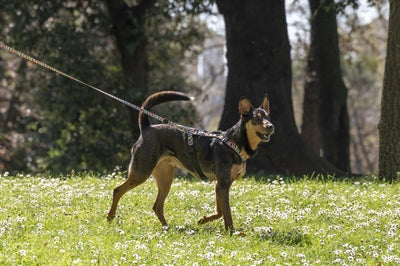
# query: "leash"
x,y
40,63
188,130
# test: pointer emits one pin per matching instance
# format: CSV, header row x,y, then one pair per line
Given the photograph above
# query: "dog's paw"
x,y
237,233
202,220
110,218
165,228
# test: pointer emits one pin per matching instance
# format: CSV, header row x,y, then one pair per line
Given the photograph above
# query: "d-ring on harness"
x,y
188,130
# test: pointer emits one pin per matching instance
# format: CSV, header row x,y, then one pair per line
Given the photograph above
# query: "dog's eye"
x,y
257,117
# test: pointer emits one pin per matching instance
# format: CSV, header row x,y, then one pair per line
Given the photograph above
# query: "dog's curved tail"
x,y
158,98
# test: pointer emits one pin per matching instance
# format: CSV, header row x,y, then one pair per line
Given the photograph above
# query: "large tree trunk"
x,y
389,125
258,54
129,30
333,116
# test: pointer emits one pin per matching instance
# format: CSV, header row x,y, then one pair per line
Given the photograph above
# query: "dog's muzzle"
x,y
265,136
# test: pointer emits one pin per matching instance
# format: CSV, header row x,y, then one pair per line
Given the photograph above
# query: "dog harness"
x,y
192,150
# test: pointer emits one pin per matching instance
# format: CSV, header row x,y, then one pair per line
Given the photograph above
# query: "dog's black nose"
x,y
270,127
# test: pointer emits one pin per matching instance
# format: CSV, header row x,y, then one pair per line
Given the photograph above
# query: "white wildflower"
x,y
22,252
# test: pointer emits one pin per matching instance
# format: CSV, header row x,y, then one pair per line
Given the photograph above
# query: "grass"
x,y
61,221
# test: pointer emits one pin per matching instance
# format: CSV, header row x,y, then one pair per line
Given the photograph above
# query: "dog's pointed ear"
x,y
265,103
245,106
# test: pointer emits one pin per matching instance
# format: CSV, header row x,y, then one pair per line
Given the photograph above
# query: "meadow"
x,y
50,220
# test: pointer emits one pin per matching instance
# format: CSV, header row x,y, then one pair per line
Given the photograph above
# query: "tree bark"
x,y
129,30
310,127
333,116
389,125
258,54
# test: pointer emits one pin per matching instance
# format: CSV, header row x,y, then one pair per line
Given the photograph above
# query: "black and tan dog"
x,y
160,148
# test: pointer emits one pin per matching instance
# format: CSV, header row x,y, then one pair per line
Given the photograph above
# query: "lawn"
x,y
62,221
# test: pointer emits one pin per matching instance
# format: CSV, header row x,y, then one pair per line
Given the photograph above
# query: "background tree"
x,y
258,54
128,20
362,42
172,32
389,134
326,95
310,123
363,46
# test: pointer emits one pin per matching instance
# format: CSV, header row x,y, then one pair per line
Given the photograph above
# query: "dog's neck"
x,y
238,134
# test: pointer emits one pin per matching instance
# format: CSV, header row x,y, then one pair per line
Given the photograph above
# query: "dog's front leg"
x,y
222,195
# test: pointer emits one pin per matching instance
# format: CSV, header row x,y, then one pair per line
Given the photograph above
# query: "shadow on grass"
x,y
278,178
292,237
199,230
313,177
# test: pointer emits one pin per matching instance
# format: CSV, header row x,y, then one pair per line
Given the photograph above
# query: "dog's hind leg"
x,y
133,181
216,215
163,174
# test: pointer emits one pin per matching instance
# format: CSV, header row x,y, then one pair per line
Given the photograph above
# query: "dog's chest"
x,y
237,171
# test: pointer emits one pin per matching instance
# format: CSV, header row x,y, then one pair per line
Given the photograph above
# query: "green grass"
x,y
61,221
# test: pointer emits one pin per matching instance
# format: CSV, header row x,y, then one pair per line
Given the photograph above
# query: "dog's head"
x,y
257,120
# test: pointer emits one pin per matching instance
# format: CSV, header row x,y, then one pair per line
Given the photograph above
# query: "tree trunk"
x,y
129,30
389,125
258,54
310,127
333,116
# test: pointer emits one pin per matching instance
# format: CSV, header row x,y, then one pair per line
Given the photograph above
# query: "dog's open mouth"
x,y
264,136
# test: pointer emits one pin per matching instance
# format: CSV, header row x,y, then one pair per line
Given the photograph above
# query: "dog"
x,y
162,147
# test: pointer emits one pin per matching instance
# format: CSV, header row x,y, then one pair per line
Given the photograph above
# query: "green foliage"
x,y
69,126
61,220
175,38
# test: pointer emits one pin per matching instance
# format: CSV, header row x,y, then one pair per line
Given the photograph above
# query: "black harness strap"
x,y
192,152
